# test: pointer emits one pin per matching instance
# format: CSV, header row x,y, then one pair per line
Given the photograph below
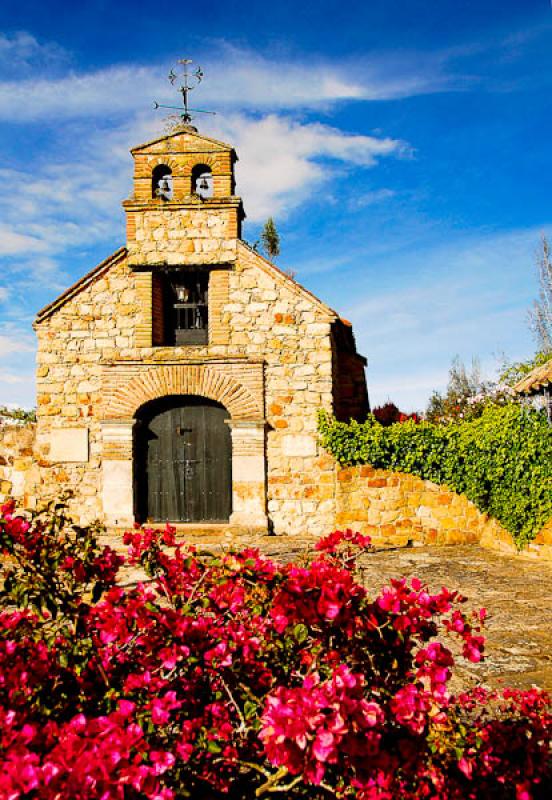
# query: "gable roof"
x,y
283,278
536,380
81,284
184,132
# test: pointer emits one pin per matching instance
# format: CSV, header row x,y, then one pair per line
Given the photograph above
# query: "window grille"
x,y
189,307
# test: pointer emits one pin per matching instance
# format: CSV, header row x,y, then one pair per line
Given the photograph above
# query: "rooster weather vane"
x,y
189,81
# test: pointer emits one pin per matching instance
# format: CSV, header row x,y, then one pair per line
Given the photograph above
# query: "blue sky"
x,y
409,168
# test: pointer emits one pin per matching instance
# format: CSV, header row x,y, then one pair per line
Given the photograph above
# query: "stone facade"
x,y
274,354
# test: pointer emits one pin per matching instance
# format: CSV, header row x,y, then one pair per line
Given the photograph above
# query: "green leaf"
x,y
249,709
301,632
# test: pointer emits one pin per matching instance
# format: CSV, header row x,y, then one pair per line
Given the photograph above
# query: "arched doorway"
x,y
182,461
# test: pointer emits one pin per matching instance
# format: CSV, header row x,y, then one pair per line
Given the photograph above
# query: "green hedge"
x,y
501,461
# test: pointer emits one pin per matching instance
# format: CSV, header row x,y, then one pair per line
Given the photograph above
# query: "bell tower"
x,y
183,227
183,209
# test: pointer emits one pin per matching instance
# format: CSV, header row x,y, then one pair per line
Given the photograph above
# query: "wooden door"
x,y
183,462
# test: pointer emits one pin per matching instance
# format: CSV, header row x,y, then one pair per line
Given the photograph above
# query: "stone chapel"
x,y
180,379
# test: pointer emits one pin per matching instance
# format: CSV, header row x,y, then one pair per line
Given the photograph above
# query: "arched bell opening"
x,y
162,182
202,181
182,461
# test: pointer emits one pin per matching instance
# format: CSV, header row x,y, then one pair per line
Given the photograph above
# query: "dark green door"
x,y
183,462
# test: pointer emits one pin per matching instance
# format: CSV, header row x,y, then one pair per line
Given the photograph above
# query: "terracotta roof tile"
x,y
537,379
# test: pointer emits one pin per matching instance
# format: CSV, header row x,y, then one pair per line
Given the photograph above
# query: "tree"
x,y
512,372
462,384
270,239
540,316
17,415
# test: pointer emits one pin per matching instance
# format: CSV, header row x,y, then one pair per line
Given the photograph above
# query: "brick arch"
x,y
200,158
166,160
159,382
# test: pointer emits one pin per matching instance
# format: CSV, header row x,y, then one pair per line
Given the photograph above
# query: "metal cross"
x,y
189,82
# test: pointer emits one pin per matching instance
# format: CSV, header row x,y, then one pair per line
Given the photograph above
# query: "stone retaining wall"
x,y
396,509
18,473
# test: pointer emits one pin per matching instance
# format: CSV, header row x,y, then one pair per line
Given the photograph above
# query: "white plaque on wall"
x,y
69,444
298,445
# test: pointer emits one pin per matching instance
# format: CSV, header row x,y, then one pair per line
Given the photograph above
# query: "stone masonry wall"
x,y
395,509
266,333
18,472
273,318
98,324
202,232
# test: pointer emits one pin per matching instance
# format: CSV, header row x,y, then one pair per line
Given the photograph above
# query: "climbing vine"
x,y
502,461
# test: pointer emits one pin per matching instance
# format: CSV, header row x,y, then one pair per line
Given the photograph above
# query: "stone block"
x,y
344,475
299,445
376,483
117,492
69,444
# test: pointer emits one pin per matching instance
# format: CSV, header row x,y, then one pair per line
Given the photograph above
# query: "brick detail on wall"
x,y
143,334
218,298
117,440
131,227
181,162
128,387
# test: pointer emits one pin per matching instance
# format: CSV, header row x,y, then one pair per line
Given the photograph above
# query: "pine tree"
x,y
270,239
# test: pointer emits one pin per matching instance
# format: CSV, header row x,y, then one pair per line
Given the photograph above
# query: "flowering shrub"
x,y
235,677
388,414
499,394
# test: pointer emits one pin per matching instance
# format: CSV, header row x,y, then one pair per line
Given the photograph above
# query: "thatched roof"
x,y
537,380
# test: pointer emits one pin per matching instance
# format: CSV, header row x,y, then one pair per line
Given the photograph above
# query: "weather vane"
x,y
189,82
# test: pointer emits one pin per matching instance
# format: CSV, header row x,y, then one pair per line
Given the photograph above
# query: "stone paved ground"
x,y
516,592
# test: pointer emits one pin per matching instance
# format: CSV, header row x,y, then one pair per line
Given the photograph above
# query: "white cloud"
x,y
283,162
13,243
112,91
20,52
70,198
237,79
11,378
371,198
3,294
75,203
244,79
16,342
